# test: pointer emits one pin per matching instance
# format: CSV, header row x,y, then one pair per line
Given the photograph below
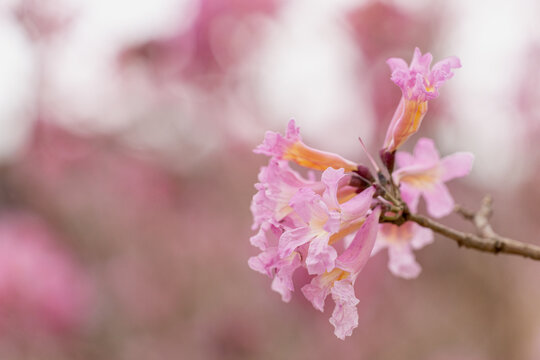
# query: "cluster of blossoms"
x,y
333,223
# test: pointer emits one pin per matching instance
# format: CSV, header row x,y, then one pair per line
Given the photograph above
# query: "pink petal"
x,y
304,203
425,152
424,168
358,206
268,235
317,291
265,262
402,262
410,195
293,131
333,221
293,238
321,256
404,159
332,178
282,282
275,144
262,207
421,63
456,165
397,64
422,237
452,61
357,254
438,200
442,70
345,315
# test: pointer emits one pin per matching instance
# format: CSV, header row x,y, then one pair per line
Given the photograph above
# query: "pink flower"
x,y
339,282
417,81
278,183
268,262
418,85
323,220
291,147
424,173
400,241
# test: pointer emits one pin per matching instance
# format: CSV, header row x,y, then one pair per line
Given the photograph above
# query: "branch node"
x,y
467,214
498,246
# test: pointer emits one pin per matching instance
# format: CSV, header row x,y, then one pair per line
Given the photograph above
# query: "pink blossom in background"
x,y
527,95
418,84
60,162
381,28
424,173
42,290
44,18
400,242
221,36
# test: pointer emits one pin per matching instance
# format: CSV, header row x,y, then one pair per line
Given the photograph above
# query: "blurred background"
x,y
126,174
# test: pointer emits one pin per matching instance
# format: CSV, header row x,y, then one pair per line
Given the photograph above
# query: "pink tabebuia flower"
x,y
291,147
424,173
418,85
278,183
323,220
401,241
339,282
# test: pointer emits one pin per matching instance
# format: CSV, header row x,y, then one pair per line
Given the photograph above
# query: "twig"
x,y
493,243
480,219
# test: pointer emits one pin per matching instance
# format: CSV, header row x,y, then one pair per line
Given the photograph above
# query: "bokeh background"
x,y
126,173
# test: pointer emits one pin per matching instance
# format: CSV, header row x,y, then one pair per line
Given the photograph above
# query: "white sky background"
x,y
308,60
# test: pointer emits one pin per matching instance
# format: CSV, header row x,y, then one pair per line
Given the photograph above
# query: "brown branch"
x,y
486,239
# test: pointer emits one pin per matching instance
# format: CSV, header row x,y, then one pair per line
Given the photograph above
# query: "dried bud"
x,y
388,159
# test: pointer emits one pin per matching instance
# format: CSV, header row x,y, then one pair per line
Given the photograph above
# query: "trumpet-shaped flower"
x,y
323,221
339,282
418,84
291,147
424,173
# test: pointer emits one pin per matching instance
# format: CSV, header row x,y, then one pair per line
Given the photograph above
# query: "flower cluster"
x,y
302,220
299,221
